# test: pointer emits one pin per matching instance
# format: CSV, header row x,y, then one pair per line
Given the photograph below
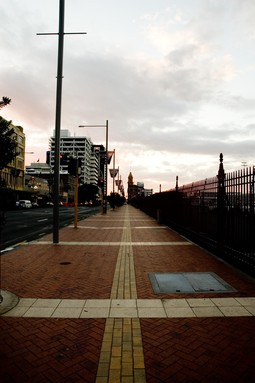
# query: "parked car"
x,y
25,204
88,203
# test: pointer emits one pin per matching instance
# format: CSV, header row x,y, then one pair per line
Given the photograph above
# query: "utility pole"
x,y
106,169
104,208
76,186
113,178
58,117
58,122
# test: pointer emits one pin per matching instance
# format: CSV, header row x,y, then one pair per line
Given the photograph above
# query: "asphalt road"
x,y
29,224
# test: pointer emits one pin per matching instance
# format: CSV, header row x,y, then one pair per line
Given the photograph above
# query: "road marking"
x,y
7,249
119,227
115,243
131,308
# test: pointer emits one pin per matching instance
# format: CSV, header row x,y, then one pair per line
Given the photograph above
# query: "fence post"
x,y
176,184
159,216
221,203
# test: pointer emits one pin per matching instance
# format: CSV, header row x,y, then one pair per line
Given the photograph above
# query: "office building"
x,y
13,175
77,147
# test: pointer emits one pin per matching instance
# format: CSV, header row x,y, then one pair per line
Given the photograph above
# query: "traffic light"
x,y
72,166
64,159
101,183
48,157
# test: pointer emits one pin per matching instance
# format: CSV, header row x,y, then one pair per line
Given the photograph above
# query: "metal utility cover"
x,y
188,283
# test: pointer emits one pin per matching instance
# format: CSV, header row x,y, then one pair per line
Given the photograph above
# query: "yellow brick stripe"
x,y
121,358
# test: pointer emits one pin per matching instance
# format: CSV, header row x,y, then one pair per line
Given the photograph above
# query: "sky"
x,y
174,78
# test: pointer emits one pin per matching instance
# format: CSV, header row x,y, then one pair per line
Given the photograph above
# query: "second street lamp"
x,y
106,160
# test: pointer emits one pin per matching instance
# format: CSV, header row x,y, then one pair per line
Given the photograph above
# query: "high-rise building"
x,y
77,147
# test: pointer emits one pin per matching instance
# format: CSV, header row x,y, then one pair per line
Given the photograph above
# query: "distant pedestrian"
x,y
112,201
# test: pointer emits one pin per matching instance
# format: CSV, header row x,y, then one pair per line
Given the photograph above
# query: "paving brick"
x,y
32,362
40,350
211,362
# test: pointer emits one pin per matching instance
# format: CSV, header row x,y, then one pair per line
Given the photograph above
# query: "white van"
x,y
25,203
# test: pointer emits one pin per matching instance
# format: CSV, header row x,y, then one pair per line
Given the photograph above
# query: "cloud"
x,y
176,83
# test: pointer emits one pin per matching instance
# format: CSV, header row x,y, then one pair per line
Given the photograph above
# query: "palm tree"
x,y
8,144
5,101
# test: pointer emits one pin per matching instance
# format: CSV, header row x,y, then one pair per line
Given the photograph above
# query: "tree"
x,y
88,192
8,144
7,154
5,101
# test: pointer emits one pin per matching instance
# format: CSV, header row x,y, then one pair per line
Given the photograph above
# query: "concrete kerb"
x,y
8,301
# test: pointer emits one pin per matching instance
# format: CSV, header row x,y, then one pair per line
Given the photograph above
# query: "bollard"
x,y
159,215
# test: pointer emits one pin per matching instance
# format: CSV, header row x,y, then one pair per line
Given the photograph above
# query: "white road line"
x,y
115,243
134,308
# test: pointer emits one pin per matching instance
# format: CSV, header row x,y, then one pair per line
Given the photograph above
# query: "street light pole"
x,y
60,34
113,174
56,177
58,122
106,160
106,169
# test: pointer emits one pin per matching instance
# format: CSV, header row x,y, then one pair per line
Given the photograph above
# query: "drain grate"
x,y
198,282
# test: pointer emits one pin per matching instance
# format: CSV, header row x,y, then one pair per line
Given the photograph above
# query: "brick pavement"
x,y
107,259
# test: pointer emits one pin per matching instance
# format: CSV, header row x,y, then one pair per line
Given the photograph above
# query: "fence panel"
x,y
217,212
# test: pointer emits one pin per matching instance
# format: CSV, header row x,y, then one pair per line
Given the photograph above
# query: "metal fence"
x,y
218,213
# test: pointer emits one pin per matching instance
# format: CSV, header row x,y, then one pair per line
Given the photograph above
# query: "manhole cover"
x,y
188,283
65,263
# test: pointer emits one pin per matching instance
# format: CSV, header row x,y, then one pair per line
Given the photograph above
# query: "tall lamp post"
x,y
60,34
106,160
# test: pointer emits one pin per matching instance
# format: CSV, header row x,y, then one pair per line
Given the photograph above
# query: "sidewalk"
x,y
118,301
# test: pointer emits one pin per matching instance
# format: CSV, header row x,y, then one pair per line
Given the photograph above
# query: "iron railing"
x,y
218,213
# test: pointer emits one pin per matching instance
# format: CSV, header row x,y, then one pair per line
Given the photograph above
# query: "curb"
x,y
8,301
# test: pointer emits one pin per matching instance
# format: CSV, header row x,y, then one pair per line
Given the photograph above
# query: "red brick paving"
x,y
36,271
158,235
67,350
50,350
199,350
180,259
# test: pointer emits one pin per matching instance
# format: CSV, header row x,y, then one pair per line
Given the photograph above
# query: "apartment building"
x,y
81,148
14,173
